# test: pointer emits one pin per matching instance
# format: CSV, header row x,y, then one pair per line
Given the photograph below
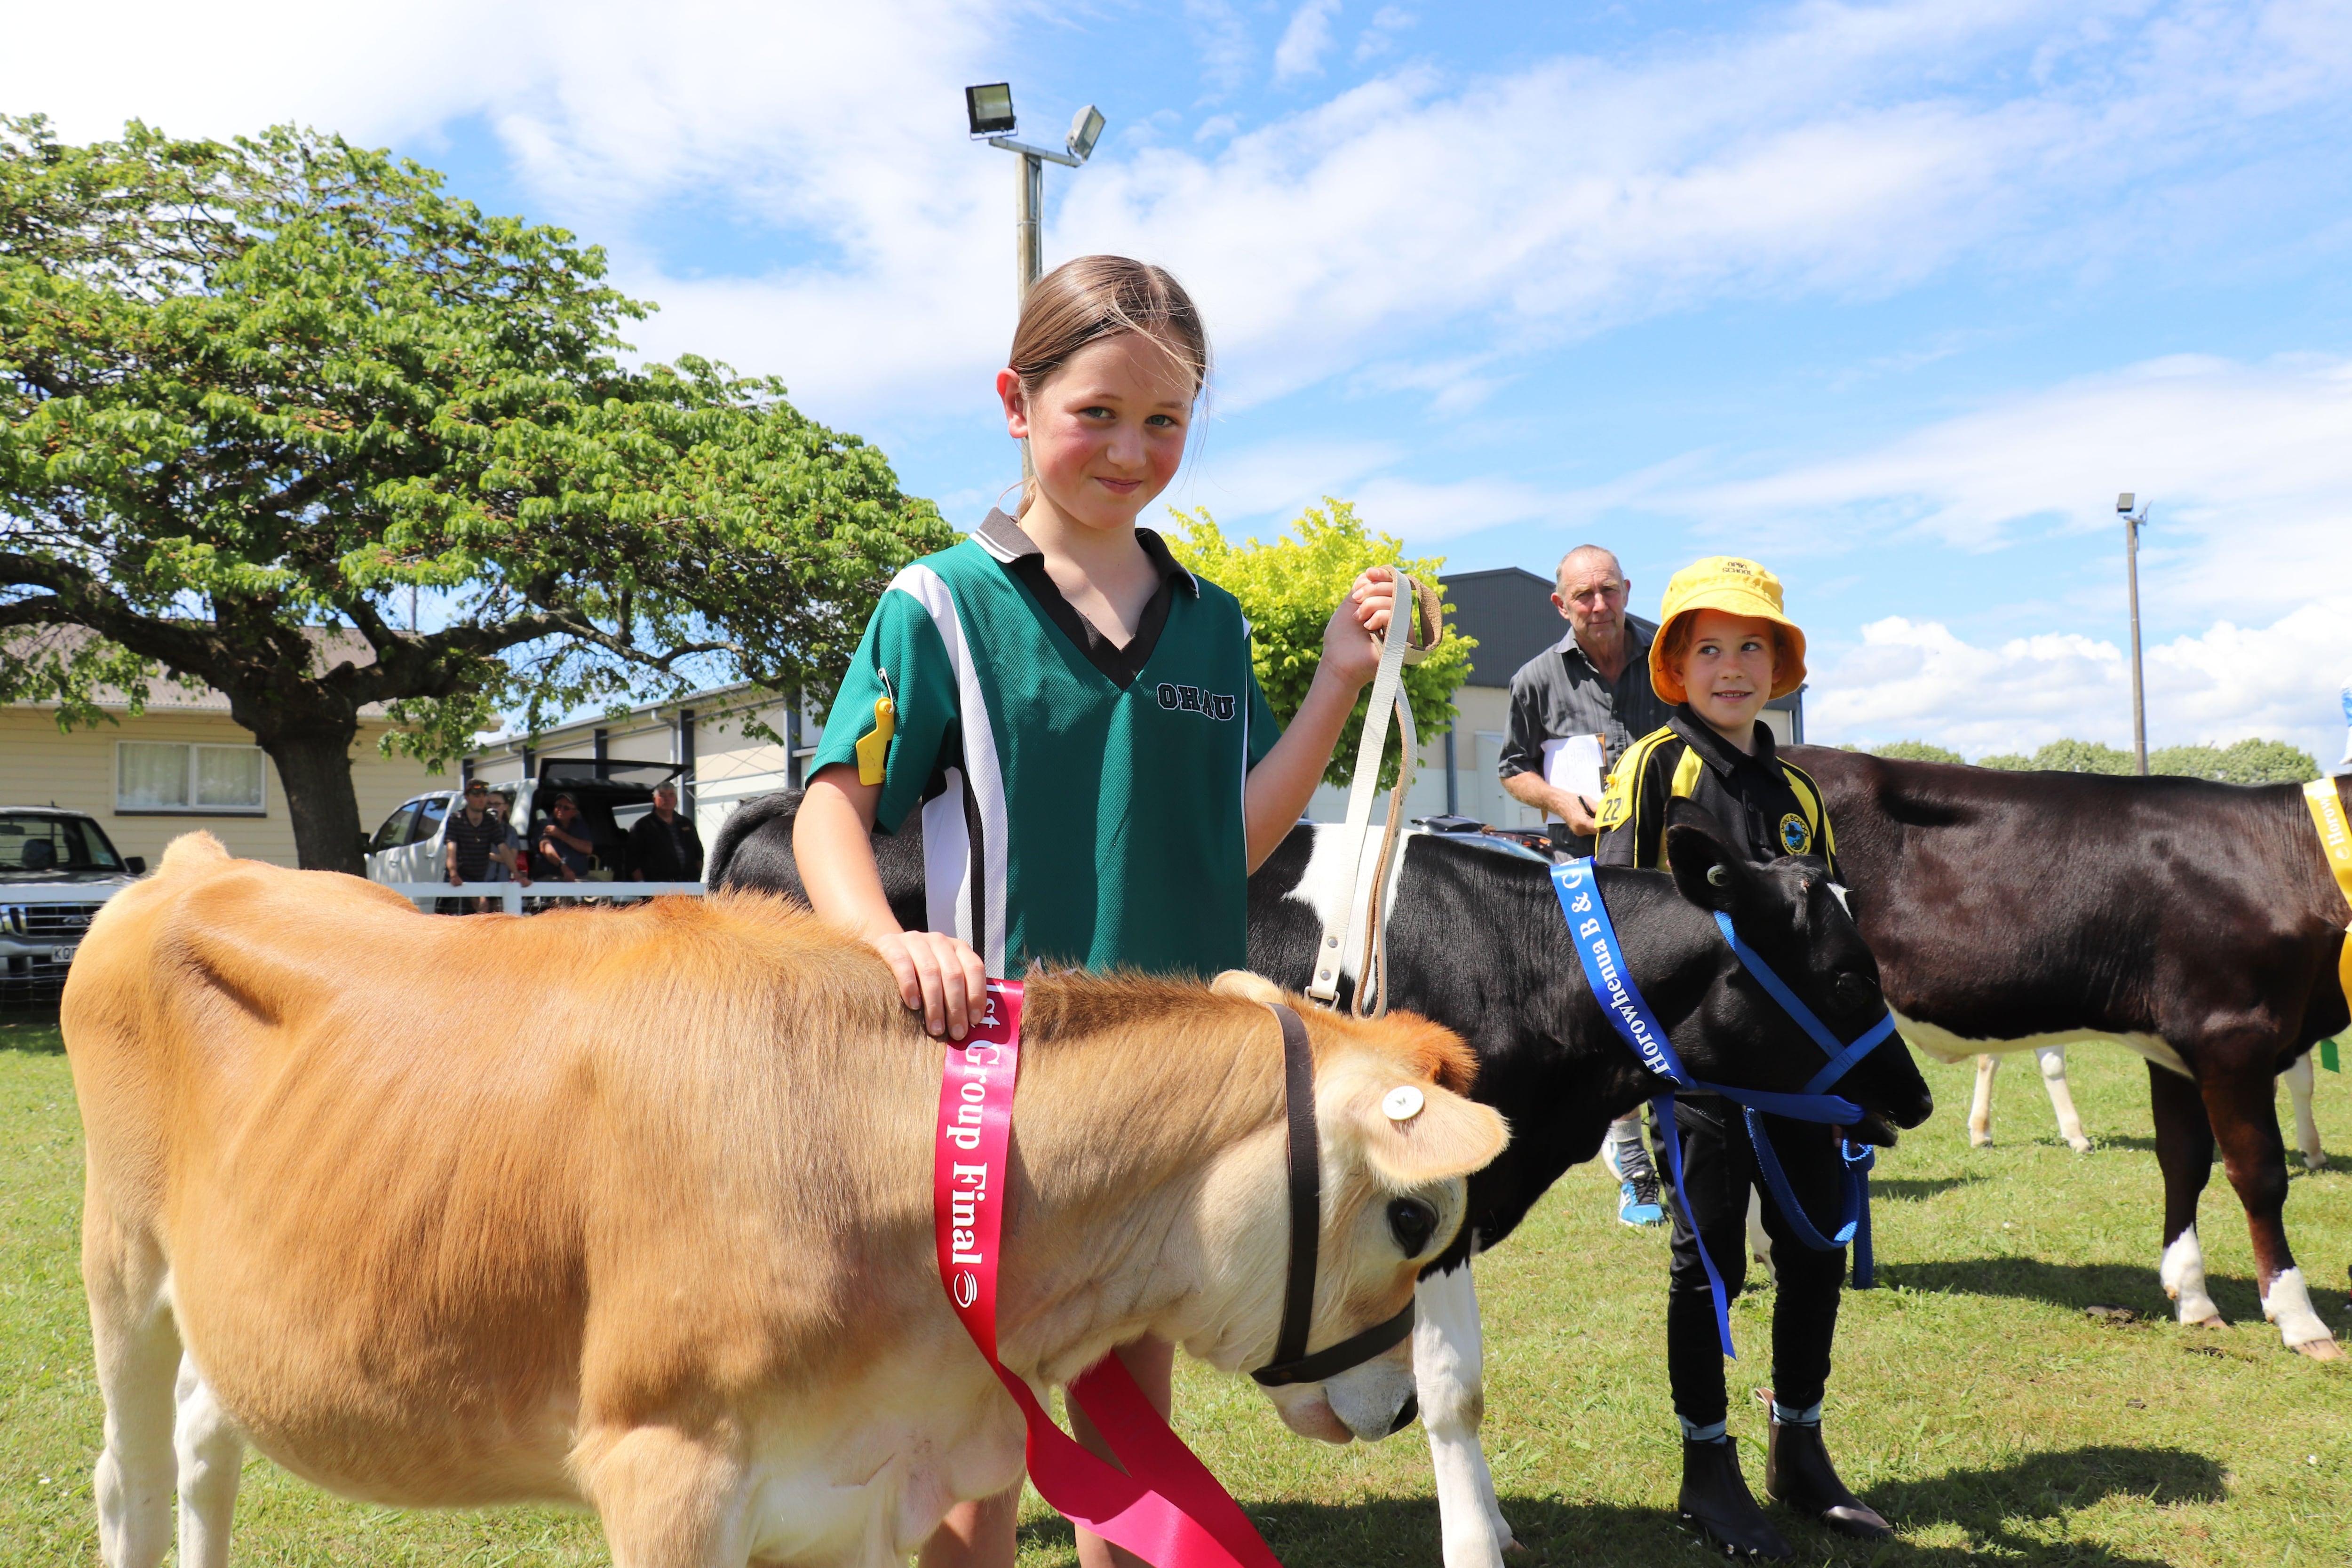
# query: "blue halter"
x,y
1595,941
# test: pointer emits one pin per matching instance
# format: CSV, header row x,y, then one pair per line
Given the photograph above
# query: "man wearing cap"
x,y
1594,682
1724,648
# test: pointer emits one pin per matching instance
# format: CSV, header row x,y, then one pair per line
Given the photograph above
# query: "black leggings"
x,y
1719,1169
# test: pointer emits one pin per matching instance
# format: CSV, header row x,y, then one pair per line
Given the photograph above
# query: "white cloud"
x,y
1827,148
1300,52
1832,151
1911,679
2249,468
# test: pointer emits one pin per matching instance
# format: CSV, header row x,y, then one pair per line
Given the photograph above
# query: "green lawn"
x,y
1975,1403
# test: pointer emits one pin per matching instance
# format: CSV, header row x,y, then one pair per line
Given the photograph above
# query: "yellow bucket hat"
x,y
1736,587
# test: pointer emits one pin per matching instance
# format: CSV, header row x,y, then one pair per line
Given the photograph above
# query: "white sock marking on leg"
x,y
1448,1364
2183,1274
2288,1305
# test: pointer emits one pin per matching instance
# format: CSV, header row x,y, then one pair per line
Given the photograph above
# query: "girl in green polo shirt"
x,y
1076,719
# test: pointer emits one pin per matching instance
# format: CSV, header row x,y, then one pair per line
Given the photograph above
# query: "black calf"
x,y
2197,921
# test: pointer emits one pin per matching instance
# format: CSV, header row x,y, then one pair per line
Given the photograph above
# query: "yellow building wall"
x,y
39,767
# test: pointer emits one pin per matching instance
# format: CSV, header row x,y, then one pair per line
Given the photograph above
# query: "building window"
x,y
168,777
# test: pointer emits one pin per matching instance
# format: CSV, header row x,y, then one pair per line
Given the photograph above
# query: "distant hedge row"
x,y
2248,762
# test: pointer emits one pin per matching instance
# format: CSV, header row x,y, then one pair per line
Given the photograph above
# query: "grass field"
x,y
1974,1402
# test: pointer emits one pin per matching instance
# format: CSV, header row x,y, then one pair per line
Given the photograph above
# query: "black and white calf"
x,y
2195,923
1476,940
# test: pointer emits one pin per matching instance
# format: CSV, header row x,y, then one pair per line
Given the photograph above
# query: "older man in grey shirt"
x,y
1593,681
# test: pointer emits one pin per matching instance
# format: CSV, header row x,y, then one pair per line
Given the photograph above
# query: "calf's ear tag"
x,y
874,750
1719,875
1403,1103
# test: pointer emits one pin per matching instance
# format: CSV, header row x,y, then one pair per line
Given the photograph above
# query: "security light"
x,y
1086,129
2124,501
989,107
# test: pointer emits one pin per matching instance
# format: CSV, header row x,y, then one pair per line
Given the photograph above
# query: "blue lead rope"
x,y
1595,941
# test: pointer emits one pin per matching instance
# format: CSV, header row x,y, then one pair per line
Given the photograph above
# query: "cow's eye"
x,y
1412,1223
1854,992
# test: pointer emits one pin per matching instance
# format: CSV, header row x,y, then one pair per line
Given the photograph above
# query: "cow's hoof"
x,y
2079,1145
1515,1552
2314,1162
2319,1350
2211,1321
1980,1140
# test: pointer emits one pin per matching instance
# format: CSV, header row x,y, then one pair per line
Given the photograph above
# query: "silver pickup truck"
x,y
57,867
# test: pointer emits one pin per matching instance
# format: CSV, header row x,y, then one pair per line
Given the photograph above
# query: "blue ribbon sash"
x,y
1594,936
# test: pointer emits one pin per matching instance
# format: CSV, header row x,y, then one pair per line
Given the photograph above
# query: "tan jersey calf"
x,y
633,1209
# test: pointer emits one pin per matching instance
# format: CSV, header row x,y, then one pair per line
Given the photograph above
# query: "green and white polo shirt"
x,y
1081,803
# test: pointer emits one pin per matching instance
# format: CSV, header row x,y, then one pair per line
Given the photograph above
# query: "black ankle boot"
x,y
1715,1496
1798,1472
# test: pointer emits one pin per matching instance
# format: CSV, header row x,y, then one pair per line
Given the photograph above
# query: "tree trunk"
x,y
314,763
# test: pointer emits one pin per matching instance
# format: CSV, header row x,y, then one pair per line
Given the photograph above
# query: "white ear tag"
x,y
1403,1103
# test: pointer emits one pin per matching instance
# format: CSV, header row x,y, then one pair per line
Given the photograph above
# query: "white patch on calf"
x,y
1319,885
2182,1273
1947,1047
1448,1364
2062,1099
210,1452
2299,1086
2288,1304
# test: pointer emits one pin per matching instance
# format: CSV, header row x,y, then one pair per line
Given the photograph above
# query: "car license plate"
x,y
62,954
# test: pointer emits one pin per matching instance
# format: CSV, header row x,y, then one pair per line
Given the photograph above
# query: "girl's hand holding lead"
x,y
1351,640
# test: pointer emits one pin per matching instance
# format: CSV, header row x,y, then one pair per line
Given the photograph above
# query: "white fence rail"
x,y
511,895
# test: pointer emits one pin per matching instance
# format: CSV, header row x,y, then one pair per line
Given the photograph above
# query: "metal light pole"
x,y
2132,521
989,108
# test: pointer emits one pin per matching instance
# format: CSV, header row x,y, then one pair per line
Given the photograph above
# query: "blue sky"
x,y
1895,297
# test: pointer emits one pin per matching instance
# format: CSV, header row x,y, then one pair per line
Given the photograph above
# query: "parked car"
x,y
58,868
408,846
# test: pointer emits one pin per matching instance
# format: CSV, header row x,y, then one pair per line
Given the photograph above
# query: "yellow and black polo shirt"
x,y
1772,806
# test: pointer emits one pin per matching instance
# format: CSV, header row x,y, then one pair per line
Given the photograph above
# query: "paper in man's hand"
x,y
1573,764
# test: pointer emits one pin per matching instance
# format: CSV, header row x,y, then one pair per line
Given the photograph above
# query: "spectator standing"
x,y
516,865
473,841
1593,681
663,845
565,842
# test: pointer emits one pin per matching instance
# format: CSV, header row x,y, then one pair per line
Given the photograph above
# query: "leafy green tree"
x,y
2248,762
1911,752
1289,589
2066,757
251,391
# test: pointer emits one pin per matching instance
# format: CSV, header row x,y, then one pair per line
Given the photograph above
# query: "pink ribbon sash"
x,y
1168,1508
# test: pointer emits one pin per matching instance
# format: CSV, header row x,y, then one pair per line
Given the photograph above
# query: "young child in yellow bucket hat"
x,y
1726,646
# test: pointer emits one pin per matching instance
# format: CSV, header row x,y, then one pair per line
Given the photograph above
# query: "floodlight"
x,y
1086,129
989,107
2124,501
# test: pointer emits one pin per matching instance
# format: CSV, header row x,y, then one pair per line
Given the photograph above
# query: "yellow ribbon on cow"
x,y
2336,843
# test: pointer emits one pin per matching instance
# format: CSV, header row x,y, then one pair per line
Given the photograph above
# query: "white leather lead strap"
x,y
1388,698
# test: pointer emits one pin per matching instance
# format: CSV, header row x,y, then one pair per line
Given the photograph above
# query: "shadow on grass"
x,y
1918,1189
31,1029
2075,1285
1990,1506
